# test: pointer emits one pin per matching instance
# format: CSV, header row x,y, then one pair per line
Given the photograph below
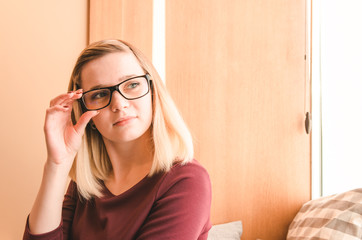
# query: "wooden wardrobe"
x,y
238,71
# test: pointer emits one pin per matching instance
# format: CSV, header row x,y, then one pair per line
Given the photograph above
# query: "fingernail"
x,y
79,91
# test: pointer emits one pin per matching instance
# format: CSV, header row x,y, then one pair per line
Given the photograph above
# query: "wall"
x,y
40,41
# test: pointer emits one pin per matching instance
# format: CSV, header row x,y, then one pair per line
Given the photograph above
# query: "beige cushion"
x,y
226,231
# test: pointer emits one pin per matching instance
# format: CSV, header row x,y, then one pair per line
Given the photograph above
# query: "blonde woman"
x,y
119,136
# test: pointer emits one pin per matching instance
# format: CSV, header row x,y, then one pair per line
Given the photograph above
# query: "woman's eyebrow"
x,y
120,80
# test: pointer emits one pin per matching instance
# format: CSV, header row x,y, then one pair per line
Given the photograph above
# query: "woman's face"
x,y
122,120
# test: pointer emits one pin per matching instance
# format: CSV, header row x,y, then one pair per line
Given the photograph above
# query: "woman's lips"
x,y
123,121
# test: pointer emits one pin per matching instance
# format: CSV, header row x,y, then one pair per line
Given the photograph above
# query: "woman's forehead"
x,y
110,69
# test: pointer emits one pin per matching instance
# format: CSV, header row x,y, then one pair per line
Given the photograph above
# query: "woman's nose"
x,y
118,102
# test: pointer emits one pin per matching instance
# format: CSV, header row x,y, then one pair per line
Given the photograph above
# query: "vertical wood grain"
x,y
129,20
237,71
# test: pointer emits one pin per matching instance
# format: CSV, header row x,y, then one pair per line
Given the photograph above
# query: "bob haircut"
x,y
171,140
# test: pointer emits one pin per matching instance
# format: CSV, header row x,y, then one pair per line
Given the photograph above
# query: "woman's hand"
x,y
63,139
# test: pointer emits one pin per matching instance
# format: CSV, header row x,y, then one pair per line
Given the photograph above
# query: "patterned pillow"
x,y
336,217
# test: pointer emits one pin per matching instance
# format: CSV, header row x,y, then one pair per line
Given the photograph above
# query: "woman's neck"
x,y
130,159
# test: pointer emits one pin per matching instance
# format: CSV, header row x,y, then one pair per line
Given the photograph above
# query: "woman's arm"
x,y
63,230
47,209
63,140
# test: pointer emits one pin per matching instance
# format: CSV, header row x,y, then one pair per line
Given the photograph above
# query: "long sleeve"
x,y
168,205
182,206
63,230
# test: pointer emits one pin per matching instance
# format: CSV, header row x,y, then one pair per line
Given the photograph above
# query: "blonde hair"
x,y
171,139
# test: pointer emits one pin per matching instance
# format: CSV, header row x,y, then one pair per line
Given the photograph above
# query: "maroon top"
x,y
172,205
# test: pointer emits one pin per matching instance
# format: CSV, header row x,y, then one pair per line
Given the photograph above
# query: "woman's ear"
x,y
92,125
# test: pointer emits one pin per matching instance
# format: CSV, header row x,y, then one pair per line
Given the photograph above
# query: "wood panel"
x,y
237,70
129,20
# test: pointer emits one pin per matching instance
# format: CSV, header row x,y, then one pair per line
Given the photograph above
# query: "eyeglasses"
x,y
130,89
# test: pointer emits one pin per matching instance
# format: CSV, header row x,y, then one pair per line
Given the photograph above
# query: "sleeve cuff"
x,y
56,234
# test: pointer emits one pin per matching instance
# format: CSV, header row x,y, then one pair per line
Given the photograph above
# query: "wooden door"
x,y
237,70
129,20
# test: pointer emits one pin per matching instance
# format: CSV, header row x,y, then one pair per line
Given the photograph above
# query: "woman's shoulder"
x,y
191,176
192,168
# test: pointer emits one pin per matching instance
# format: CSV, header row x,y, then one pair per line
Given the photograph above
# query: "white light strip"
x,y
316,101
159,38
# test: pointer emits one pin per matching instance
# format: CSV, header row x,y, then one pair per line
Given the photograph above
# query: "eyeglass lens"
x,y
130,89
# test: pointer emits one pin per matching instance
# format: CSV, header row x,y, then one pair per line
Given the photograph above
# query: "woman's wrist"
x,y
59,168
56,174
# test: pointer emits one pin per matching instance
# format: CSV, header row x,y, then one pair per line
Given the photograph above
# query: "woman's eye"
x,y
99,95
132,85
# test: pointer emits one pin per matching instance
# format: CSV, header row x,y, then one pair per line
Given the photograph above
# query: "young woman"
x,y
119,136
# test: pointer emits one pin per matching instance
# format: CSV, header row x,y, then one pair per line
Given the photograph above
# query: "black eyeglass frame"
x,y
116,88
